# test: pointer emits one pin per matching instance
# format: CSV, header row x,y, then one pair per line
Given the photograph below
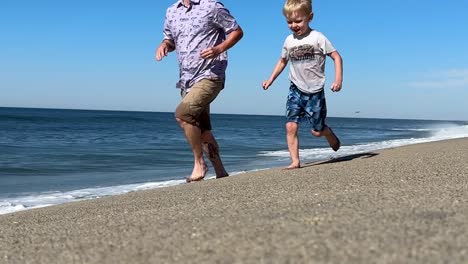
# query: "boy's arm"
x,y
338,82
282,62
164,48
231,40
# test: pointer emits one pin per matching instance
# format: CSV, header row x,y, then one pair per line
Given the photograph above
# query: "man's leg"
x,y
293,144
190,116
193,136
211,149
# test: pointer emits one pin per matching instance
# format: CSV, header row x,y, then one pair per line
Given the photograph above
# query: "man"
x,y
201,32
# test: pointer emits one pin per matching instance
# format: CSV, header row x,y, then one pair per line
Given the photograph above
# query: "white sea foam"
x,y
413,129
325,153
10,205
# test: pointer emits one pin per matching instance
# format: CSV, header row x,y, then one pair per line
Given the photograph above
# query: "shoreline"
x,y
23,203
399,204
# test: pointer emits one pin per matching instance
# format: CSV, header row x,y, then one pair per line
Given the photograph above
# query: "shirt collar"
x,y
193,2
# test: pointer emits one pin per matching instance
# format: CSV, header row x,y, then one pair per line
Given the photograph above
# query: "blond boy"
x,y
306,49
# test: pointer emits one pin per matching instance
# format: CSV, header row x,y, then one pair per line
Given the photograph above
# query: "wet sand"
x,y
401,205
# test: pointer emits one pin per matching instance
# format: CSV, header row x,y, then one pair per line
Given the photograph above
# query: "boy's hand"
x,y
266,84
336,86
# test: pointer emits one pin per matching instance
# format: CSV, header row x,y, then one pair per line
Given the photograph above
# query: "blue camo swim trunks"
x,y
301,106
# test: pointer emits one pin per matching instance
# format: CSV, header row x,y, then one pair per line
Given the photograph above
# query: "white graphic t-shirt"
x,y
306,55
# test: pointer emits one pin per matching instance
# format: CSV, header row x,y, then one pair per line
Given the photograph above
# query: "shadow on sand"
x,y
341,159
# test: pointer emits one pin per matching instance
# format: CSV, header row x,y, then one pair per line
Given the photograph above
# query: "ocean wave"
x,y
326,153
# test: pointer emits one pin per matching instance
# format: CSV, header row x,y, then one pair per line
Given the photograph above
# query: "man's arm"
x,y
163,49
231,40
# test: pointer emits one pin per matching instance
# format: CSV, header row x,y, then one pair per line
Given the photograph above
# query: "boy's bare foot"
x,y
333,140
198,174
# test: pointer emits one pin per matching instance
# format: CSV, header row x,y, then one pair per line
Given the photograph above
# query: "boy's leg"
x,y
332,139
316,111
293,144
188,114
294,114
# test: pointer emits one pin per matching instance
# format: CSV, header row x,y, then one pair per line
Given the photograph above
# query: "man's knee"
x,y
182,113
184,116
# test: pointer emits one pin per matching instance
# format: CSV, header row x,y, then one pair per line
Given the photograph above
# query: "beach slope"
x,y
401,205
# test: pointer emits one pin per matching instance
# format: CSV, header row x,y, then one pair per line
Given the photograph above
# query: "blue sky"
x,y
402,58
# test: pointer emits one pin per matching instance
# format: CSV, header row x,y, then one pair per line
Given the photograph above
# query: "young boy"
x,y
307,49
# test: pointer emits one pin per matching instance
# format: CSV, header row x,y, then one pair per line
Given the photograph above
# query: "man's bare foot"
x,y
198,174
221,175
292,166
190,179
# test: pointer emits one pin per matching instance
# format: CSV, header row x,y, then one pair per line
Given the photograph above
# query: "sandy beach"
x,y
401,205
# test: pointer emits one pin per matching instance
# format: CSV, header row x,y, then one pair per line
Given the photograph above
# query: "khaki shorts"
x,y
195,105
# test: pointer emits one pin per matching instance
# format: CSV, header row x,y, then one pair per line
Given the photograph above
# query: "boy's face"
x,y
299,22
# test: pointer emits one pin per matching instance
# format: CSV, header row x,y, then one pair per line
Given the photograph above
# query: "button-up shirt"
x,y
201,25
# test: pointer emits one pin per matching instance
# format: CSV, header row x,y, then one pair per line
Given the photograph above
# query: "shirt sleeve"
x,y
223,18
284,50
325,45
167,29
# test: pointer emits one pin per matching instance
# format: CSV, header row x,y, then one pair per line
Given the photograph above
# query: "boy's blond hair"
x,y
302,6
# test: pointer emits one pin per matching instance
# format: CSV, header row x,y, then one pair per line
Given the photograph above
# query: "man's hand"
x,y
164,49
210,53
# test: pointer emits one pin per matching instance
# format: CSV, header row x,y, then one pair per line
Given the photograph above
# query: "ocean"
x,y
55,156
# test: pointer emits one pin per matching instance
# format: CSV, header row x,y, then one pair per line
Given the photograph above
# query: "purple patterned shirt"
x,y
193,29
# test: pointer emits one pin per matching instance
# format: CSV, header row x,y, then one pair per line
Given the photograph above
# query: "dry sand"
x,y
401,205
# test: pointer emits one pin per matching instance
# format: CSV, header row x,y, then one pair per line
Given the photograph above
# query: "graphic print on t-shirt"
x,y
302,52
